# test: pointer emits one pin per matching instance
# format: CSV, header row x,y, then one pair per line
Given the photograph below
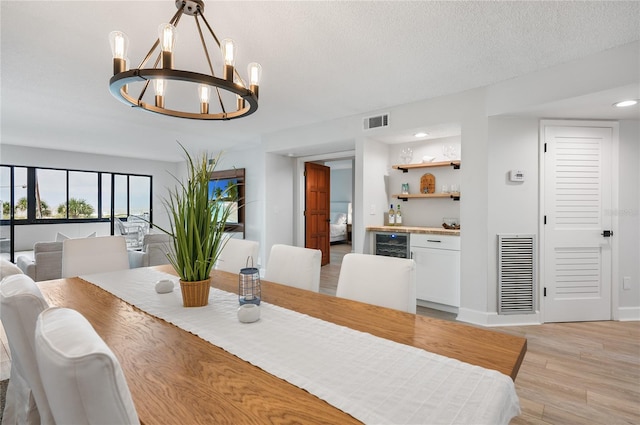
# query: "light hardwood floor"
x,y
573,373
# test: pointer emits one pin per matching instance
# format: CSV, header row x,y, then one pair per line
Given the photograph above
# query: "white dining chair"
x,y
20,304
81,376
294,266
235,253
379,280
94,255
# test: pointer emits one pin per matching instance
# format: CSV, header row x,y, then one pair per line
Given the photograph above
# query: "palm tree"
x,y
20,208
77,208
6,210
44,210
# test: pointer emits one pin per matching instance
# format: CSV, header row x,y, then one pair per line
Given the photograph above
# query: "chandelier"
x,y
231,87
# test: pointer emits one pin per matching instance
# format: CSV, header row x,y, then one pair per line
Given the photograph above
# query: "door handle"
x,y
607,233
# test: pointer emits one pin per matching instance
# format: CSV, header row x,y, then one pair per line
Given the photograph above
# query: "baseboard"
x,y
486,319
628,314
437,306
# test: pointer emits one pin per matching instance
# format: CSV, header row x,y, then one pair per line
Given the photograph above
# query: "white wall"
x,y
341,183
513,207
628,215
279,223
371,195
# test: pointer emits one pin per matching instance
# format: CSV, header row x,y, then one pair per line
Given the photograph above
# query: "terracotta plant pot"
x,y
195,294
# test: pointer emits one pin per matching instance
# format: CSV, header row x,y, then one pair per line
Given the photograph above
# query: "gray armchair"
x,y
46,263
155,247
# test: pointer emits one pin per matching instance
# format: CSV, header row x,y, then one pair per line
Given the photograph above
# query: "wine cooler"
x,y
392,244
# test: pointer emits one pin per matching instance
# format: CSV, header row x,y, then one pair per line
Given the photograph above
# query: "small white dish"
x,y
164,286
428,158
248,313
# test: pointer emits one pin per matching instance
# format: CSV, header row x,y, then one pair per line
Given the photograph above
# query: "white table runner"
x,y
375,380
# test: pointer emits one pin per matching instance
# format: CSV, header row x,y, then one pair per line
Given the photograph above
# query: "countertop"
x,y
410,229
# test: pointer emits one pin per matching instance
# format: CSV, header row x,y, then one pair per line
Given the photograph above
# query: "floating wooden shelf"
x,y
406,167
455,196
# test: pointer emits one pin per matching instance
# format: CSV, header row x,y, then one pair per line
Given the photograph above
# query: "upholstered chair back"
x,y
235,253
94,255
20,304
294,266
375,279
82,377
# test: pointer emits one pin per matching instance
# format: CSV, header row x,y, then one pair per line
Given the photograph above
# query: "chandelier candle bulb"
x,y
228,49
255,74
204,92
167,35
159,86
119,46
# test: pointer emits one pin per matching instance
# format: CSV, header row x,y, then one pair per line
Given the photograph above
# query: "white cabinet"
x,y
437,260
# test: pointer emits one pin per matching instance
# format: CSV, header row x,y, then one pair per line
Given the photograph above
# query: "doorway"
x,y
578,248
339,163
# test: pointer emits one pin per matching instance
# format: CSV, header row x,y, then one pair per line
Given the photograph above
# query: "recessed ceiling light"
x,y
421,134
625,103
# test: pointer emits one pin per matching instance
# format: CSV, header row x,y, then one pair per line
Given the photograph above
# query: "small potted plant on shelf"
x,y
197,219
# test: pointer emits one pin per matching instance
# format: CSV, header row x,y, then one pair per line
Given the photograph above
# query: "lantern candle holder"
x,y
249,291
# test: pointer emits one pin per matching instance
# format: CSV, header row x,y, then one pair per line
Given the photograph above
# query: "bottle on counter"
x,y
398,216
392,216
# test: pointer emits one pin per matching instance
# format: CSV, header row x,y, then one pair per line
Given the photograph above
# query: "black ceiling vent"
x,y
376,122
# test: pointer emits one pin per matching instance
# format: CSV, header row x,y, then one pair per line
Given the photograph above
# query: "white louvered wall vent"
x,y
376,122
516,274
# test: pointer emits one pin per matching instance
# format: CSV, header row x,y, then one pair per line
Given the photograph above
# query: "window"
x,y
5,192
47,194
20,203
120,206
83,194
106,195
51,194
139,195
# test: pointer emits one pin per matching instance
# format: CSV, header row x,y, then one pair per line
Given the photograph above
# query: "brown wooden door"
x,y
316,208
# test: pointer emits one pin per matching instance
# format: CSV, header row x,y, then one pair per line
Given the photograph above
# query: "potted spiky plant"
x,y
197,219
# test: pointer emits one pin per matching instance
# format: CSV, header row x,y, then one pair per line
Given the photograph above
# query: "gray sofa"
x,y
46,263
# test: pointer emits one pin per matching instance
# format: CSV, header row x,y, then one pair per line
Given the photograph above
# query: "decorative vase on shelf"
x,y
196,219
406,155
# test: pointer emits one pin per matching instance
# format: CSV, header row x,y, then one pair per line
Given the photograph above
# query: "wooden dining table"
x,y
176,377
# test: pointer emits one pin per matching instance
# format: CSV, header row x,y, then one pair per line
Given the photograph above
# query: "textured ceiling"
x,y
321,61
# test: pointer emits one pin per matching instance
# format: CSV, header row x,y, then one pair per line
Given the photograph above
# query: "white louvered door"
x,y
577,203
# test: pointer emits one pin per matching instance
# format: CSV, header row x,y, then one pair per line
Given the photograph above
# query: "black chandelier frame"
x,y
247,100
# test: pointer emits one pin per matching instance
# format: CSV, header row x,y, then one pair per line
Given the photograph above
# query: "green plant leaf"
x,y
196,221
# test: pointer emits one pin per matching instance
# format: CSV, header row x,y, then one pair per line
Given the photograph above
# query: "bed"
x,y
339,215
